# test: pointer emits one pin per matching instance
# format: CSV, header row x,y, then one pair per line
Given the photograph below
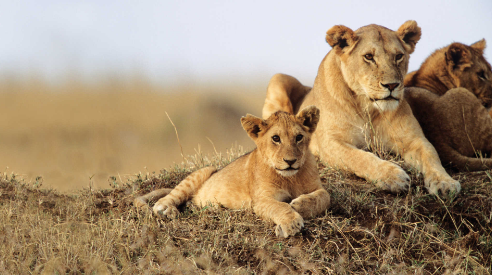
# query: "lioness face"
x,y
380,63
283,139
374,61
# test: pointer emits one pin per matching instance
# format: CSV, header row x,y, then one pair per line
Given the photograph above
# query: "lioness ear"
x,y
410,34
479,45
253,125
340,37
309,117
458,57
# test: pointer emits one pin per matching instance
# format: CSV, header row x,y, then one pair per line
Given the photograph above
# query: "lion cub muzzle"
x,y
291,169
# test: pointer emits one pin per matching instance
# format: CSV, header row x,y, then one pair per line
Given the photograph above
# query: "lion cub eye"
x,y
481,74
399,57
369,56
299,138
276,138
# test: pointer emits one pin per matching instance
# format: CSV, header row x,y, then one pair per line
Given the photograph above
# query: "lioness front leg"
x,y
426,159
419,153
288,221
312,204
386,175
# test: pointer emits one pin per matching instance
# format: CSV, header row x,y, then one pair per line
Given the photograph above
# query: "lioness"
x,y
452,106
279,170
359,90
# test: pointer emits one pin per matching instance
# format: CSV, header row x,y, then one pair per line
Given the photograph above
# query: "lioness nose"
x,y
290,161
390,86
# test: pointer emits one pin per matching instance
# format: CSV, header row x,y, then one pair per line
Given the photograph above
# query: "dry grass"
x,y
365,231
76,133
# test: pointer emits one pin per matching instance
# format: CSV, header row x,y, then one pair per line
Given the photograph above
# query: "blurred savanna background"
x,y
74,133
85,86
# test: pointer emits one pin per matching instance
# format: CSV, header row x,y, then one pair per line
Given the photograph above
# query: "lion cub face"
x,y
283,139
374,61
468,69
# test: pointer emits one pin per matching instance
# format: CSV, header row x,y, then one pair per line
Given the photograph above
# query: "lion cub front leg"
x,y
288,221
184,191
312,204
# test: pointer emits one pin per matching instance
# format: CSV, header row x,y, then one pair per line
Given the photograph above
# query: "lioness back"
x,y
280,170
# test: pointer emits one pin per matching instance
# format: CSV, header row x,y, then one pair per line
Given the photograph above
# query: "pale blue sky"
x,y
201,41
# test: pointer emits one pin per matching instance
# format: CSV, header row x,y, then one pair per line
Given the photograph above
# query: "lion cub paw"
x,y
447,186
291,227
165,210
394,179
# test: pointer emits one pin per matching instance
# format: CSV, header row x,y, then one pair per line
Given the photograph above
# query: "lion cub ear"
x,y
479,45
340,37
410,34
253,125
458,57
309,117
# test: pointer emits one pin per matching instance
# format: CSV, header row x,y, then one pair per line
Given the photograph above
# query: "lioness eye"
x,y
368,56
276,138
399,56
299,138
481,74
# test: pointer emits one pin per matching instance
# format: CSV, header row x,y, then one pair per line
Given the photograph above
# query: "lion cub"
x,y
451,105
280,170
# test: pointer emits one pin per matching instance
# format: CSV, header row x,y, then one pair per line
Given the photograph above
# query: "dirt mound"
x,y
365,231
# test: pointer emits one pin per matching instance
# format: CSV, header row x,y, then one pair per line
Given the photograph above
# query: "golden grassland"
x,y
74,134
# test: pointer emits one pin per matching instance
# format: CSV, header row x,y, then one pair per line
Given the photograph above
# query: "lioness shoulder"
x,y
279,179
451,104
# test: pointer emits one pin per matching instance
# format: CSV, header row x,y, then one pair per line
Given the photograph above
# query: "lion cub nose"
x,y
390,86
290,161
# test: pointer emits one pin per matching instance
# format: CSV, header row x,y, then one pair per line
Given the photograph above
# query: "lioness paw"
x,y
394,179
446,185
165,210
291,227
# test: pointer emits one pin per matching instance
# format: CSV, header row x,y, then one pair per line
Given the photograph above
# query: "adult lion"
x,y
359,90
451,107
279,179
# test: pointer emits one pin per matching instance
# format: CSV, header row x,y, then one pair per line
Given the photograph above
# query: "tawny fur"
x,y
279,179
451,107
359,90
284,90
455,66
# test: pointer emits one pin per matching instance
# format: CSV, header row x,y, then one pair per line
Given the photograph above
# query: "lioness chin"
x,y
279,179
359,90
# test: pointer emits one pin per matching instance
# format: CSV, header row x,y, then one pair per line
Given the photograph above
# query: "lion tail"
x,y
181,193
464,163
284,93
